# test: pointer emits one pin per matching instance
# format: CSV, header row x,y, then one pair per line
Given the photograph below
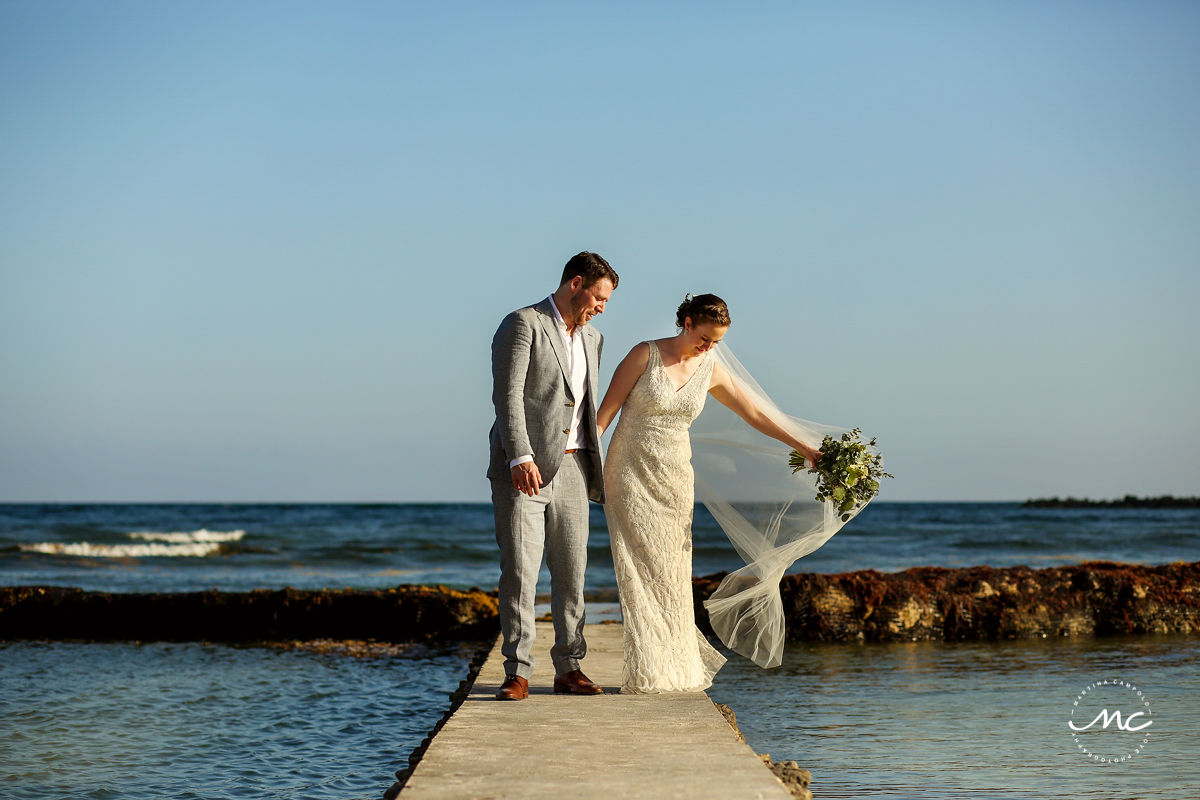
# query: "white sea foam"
x,y
177,544
151,550
189,537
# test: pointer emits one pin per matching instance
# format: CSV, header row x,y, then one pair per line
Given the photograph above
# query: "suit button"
x,y
566,430
571,403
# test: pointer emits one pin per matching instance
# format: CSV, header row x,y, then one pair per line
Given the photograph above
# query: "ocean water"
x,y
920,720
981,720
139,548
168,720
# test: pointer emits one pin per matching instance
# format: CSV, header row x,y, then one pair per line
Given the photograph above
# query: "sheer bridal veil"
x,y
769,514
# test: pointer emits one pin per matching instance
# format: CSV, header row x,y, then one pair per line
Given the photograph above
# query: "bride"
x,y
660,389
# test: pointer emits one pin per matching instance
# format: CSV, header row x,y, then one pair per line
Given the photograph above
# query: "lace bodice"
x,y
657,406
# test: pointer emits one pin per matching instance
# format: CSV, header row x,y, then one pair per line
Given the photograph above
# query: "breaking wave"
x,y
201,535
151,544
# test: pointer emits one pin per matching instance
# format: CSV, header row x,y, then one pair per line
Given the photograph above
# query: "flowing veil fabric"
x,y
769,514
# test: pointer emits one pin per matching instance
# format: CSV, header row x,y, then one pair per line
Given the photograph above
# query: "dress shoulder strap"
x,y
704,379
655,353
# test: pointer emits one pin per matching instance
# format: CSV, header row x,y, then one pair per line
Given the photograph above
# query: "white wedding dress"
x,y
650,496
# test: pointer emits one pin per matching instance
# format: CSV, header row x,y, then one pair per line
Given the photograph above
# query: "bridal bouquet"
x,y
848,471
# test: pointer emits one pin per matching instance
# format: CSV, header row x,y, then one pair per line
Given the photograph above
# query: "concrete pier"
x,y
605,747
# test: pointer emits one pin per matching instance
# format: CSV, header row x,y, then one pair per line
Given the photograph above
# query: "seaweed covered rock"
x,y
936,603
402,614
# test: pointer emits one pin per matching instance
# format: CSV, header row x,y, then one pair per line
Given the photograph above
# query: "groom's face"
x,y
588,301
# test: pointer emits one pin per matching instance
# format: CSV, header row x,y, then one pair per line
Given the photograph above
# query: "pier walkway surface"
x,y
611,747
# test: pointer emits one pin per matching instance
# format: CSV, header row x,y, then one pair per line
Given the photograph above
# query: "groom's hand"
x,y
527,478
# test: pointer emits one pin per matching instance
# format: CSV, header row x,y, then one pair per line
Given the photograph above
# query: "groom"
x,y
545,466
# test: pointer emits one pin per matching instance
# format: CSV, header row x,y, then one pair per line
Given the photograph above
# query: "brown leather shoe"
x,y
575,682
515,688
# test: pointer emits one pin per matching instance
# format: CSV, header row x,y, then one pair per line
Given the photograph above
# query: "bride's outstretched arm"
x,y
627,374
727,392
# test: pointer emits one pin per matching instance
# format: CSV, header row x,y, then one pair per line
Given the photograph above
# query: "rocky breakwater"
x,y
402,614
939,604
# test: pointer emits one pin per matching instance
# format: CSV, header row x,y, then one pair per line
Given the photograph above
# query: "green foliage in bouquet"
x,y
848,472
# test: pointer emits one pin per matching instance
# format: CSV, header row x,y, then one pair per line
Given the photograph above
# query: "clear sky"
x,y
257,251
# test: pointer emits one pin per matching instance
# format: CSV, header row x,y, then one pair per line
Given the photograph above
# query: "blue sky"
x,y
256,251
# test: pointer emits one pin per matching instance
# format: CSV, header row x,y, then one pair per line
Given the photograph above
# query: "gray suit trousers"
x,y
556,521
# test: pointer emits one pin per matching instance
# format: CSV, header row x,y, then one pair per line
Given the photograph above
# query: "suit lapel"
x,y
590,340
550,324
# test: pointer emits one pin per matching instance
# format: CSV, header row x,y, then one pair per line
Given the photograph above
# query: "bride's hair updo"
x,y
703,308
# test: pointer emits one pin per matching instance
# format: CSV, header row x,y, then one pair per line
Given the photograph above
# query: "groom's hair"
x,y
589,266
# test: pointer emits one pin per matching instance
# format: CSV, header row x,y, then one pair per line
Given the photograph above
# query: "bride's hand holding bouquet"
x,y
804,456
848,471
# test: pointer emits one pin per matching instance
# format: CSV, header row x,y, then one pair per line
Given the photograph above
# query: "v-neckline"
x,y
662,365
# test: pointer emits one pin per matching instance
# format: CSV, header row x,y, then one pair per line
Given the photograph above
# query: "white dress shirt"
x,y
577,370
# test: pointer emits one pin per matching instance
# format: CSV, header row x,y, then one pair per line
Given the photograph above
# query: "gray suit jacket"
x,y
533,398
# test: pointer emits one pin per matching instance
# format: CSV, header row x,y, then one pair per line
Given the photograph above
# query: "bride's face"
x,y
700,338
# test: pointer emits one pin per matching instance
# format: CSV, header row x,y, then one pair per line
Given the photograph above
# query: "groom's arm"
x,y
510,364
